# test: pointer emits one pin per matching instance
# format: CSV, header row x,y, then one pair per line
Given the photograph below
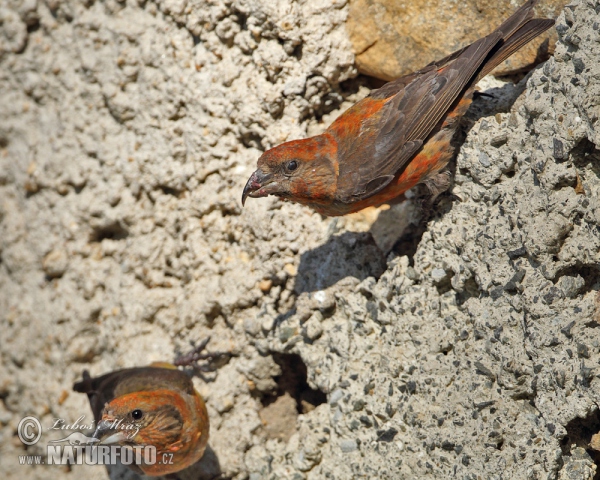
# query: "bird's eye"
x,y
291,166
137,414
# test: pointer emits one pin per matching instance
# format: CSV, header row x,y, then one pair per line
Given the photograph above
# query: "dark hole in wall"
x,y
170,191
340,92
213,314
252,140
470,290
293,381
589,272
113,231
33,26
445,285
584,152
586,159
579,433
298,52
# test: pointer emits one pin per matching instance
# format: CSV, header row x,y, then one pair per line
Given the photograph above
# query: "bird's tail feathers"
x,y
85,385
517,39
519,18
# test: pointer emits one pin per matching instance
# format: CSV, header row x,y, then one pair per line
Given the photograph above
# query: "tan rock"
x,y
392,38
265,285
279,418
595,442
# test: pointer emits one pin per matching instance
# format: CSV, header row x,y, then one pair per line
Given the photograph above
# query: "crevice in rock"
x,y
292,381
252,140
510,173
584,152
242,18
170,191
292,397
470,290
445,285
212,315
297,52
589,272
579,434
586,159
34,26
112,231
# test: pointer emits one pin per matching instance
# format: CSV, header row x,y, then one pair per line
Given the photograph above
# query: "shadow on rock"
x,y
350,254
207,468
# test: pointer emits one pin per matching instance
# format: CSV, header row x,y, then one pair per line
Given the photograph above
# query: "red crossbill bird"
x,y
399,136
143,406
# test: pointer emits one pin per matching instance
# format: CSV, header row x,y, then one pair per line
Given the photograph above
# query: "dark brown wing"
x,y
103,389
521,37
417,102
416,105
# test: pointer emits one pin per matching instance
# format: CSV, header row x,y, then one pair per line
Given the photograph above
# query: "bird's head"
x,y
144,418
304,171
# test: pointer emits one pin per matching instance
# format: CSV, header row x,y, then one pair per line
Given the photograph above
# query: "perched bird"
x,y
397,137
160,402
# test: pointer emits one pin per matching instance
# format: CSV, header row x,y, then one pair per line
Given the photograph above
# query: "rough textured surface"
x,y
127,132
392,38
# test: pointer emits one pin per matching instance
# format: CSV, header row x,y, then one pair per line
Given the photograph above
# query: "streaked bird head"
x,y
143,418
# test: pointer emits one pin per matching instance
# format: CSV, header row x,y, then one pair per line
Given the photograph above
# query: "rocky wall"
x,y
468,349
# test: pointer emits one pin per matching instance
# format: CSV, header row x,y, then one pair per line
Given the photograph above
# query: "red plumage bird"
x,y
399,136
161,405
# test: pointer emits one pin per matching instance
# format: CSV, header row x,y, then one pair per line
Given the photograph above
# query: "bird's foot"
x,y
438,183
427,199
197,354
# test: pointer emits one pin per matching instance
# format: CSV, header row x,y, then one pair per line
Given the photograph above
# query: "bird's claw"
x,y
192,358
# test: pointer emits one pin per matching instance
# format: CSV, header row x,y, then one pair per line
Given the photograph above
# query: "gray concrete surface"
x,y
127,131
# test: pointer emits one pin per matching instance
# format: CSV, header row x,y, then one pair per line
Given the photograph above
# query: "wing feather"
x,y
390,136
415,105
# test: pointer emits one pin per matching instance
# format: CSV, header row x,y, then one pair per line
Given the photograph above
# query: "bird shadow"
x,y
207,468
495,100
351,254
